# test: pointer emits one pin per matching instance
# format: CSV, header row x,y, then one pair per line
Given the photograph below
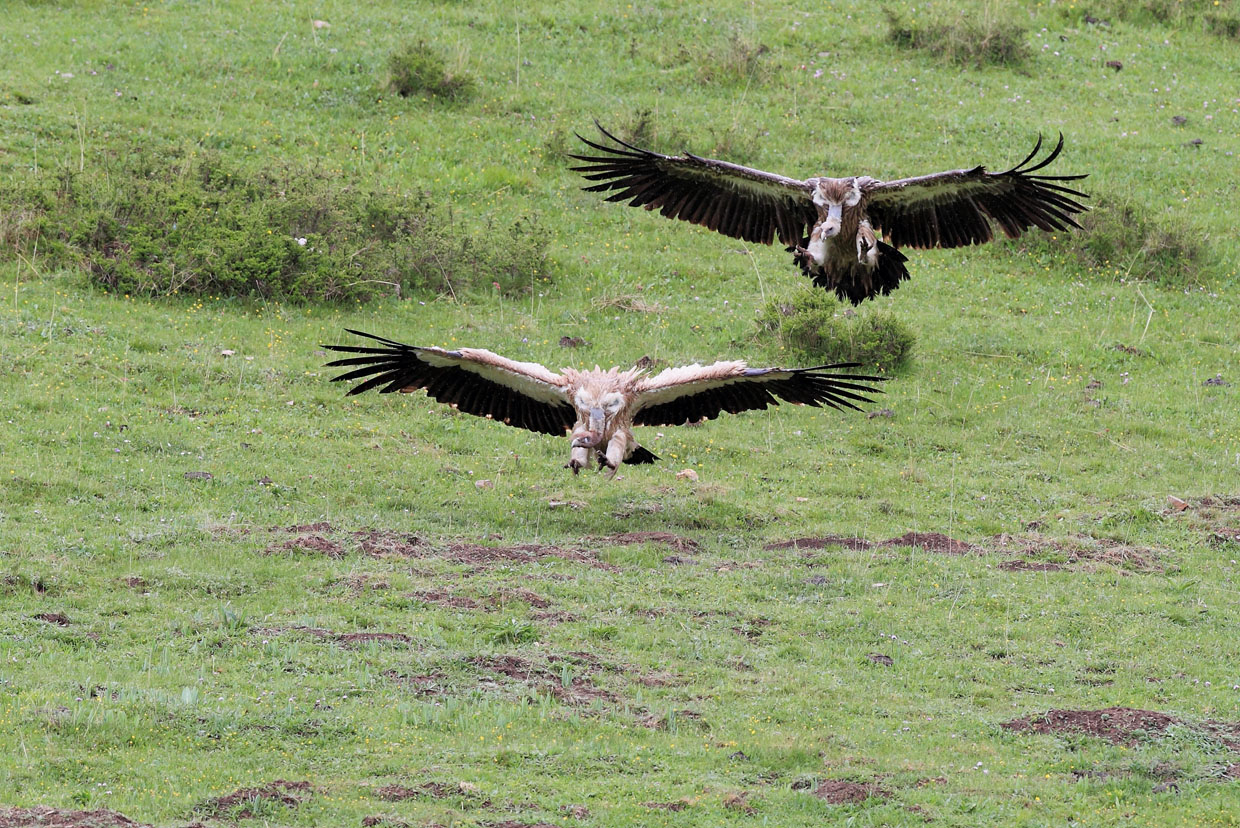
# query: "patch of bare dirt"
x,y
678,805
675,542
524,595
44,817
843,792
378,819
57,618
1076,552
821,543
305,528
430,684
135,582
307,543
579,689
431,790
932,542
1217,516
444,598
553,616
289,794
1120,725
473,553
341,638
382,543
738,801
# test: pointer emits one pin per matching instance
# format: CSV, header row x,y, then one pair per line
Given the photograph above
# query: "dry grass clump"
x,y
968,40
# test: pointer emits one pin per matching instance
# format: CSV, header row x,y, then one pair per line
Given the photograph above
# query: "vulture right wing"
x,y
476,381
696,392
737,201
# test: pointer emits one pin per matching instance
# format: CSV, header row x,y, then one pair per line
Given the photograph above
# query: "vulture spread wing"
x,y
694,392
476,381
954,208
737,201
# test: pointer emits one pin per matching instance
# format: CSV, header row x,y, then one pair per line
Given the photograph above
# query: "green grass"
x,y
1050,395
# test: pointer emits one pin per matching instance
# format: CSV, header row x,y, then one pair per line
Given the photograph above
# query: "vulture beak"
x,y
594,432
831,225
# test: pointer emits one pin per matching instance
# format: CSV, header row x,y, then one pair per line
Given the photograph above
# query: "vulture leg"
x,y
578,458
617,446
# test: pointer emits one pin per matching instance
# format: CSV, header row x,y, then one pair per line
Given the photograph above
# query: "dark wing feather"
x,y
955,208
685,398
737,201
478,382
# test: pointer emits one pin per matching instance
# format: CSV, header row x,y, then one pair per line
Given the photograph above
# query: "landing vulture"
x,y
599,408
833,225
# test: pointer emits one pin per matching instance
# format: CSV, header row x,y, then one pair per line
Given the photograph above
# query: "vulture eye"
x,y
612,403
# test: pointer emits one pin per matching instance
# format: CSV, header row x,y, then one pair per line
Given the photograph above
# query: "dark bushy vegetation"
x,y
1209,16
816,327
417,70
167,224
968,40
1119,239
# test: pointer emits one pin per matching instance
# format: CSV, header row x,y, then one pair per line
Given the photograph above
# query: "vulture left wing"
x,y
476,381
954,208
737,201
694,392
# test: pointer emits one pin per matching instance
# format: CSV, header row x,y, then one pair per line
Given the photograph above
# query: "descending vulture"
x,y
832,225
599,407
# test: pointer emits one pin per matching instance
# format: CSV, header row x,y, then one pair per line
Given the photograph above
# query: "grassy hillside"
x,y
228,593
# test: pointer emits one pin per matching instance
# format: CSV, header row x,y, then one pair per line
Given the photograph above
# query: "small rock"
x,y
572,342
227,352
882,412
687,474
320,24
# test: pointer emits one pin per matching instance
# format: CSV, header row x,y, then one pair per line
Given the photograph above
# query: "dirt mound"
x,y
676,542
932,542
279,791
473,553
843,792
429,790
444,598
307,543
1076,552
341,638
678,805
1218,516
44,817
1120,725
381,543
569,686
929,541
820,543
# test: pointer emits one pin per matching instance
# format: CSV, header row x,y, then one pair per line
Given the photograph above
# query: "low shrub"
x,y
815,327
163,224
1119,238
417,70
1216,17
969,40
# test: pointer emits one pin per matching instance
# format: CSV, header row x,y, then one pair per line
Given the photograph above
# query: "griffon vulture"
x,y
598,407
832,225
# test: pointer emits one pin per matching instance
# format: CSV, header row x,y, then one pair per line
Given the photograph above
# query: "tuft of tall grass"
x,y
816,327
418,70
969,39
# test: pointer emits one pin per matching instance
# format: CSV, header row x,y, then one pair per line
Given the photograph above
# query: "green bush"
x,y
417,70
969,40
1120,239
1208,16
167,224
815,327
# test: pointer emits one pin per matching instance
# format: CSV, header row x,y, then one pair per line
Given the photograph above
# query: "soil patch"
x,y
932,542
431,684
676,542
821,543
57,618
445,599
342,638
381,543
1216,515
578,691
289,794
427,790
553,616
307,543
44,817
843,792
1120,725
679,805
509,823
473,553
1077,552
